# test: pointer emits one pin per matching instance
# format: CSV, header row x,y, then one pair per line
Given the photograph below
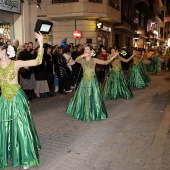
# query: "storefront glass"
x,y
5,31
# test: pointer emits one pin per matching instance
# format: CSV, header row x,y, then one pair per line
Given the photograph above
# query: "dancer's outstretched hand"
x,y
39,37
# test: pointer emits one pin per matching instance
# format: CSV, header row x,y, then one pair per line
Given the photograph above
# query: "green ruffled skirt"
x,y
144,73
116,87
87,103
18,137
155,66
135,78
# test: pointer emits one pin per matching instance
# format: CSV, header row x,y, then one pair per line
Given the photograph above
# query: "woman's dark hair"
x,y
104,47
4,46
114,47
66,50
88,45
46,46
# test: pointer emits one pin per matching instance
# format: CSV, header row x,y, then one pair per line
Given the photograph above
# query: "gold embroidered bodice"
x,y
6,76
116,64
137,60
88,66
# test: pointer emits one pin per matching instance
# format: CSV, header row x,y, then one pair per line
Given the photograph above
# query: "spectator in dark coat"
x,y
61,69
49,67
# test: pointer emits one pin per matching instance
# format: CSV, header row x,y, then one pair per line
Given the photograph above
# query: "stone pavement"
x,y
135,136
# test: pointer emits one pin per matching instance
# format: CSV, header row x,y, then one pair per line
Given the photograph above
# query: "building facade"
x,y
138,23
94,18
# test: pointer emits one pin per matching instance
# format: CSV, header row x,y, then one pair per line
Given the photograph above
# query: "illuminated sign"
x,y
166,19
99,25
11,5
104,27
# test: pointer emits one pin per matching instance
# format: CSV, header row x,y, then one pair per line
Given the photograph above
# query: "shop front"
x,y
104,34
7,11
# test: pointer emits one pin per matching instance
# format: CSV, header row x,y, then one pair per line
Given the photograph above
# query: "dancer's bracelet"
x,y
39,57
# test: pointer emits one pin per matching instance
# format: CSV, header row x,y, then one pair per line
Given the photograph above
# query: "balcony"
x,y
83,10
96,1
63,1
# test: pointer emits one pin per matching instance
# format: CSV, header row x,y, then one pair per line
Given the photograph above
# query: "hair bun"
x,y
10,51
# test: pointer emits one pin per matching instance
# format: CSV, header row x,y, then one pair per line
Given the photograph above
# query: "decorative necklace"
x,y
7,73
88,64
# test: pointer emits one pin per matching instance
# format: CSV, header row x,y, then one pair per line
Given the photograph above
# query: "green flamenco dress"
x,y
18,137
87,103
135,78
116,86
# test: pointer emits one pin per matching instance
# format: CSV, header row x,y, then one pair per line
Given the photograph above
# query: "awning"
x,y
124,28
143,37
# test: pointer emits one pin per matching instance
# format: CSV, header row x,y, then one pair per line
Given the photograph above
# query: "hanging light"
x,y
38,5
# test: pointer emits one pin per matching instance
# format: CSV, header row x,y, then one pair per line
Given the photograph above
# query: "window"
x,y
127,42
163,2
64,1
161,32
96,1
114,4
5,31
165,35
142,20
162,15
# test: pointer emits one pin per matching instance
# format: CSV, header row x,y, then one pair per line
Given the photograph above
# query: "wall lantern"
x,y
136,36
99,25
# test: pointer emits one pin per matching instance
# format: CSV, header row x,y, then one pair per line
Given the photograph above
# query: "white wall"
x,y
24,23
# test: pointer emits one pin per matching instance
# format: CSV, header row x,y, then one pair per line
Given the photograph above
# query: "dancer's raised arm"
x,y
38,60
79,58
102,62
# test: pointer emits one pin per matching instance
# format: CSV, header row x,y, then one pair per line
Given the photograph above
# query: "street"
x,y
135,136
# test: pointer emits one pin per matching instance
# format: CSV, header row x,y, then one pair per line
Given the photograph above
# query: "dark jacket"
x,y
40,71
60,65
25,55
49,63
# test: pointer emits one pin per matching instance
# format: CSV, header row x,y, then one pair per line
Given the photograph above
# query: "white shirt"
x,y
71,61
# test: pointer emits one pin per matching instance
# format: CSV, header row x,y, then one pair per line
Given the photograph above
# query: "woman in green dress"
x,y
155,62
116,86
142,66
87,103
18,137
136,77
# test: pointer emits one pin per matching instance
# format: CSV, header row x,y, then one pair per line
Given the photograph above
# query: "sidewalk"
x,y
135,136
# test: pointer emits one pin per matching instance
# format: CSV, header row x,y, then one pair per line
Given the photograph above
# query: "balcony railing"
x,y
96,1
63,1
